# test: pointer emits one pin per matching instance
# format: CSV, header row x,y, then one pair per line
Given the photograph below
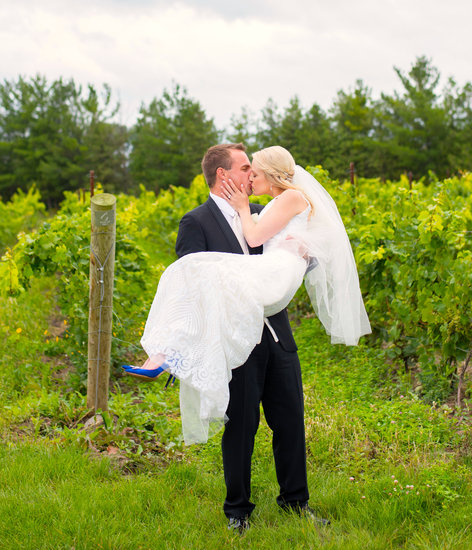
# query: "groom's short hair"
x,y
216,157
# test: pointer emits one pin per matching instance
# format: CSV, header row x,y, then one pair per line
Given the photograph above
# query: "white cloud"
x,y
228,58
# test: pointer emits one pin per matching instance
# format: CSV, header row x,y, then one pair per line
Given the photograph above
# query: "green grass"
x,y
389,470
61,498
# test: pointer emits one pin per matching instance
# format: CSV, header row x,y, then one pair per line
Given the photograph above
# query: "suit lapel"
x,y
224,226
227,230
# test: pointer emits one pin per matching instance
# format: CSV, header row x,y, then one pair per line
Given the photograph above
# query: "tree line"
x,y
53,133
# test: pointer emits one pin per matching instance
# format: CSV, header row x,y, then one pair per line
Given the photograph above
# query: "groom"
x,y
271,374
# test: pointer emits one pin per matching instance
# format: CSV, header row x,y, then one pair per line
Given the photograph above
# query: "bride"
x,y
209,309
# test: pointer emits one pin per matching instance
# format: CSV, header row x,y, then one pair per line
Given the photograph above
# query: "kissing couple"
x,y
218,321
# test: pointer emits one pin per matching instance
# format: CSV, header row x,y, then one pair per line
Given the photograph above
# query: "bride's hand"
x,y
237,198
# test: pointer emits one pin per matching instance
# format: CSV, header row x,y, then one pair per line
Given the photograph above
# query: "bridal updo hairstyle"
x,y
279,168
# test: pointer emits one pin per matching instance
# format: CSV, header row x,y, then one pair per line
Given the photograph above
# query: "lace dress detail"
x,y
208,315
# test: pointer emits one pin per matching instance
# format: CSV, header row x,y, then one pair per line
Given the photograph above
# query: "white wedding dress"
x,y
208,315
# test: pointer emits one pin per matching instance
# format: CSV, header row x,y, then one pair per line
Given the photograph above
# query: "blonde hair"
x,y
278,166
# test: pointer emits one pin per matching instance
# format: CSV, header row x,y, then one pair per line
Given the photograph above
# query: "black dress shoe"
x,y
306,512
241,525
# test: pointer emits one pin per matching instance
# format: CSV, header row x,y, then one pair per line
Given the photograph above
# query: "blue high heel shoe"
x,y
146,374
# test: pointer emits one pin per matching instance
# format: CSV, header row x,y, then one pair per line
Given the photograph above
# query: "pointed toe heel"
x,y
145,374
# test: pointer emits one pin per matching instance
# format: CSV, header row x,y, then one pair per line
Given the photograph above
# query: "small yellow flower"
x,y
57,338
19,330
46,332
65,321
47,341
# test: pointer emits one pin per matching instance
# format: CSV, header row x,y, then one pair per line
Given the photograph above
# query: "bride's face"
x,y
259,183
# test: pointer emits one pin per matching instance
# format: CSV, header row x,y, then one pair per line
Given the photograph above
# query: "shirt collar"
x,y
224,206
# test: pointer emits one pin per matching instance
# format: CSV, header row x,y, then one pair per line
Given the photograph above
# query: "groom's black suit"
x,y
271,375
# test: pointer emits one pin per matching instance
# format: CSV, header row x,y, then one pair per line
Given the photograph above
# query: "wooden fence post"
x,y
352,173
102,260
410,180
92,183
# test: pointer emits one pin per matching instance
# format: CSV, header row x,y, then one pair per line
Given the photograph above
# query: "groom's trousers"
x,y
270,376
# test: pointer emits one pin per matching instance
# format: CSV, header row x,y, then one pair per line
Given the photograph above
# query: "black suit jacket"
x,y
205,229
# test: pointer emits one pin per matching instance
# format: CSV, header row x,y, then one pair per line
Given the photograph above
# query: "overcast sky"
x,y
230,54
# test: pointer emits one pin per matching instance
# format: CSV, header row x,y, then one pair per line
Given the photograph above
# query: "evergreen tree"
x,y
458,105
243,130
105,143
317,144
169,140
268,125
46,137
306,134
291,127
353,118
416,133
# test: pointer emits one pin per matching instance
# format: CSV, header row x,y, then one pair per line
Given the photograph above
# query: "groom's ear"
x,y
221,172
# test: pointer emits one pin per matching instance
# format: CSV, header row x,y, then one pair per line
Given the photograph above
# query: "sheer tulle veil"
x,y
333,284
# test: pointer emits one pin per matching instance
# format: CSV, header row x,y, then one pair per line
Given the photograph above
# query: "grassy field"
x,y
389,470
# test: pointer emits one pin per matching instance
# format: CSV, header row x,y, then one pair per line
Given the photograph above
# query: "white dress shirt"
x,y
226,209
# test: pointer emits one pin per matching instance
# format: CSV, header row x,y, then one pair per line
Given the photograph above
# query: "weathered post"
x,y
102,260
410,180
92,183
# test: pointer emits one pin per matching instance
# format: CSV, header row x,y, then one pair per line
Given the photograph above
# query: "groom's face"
x,y
240,170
